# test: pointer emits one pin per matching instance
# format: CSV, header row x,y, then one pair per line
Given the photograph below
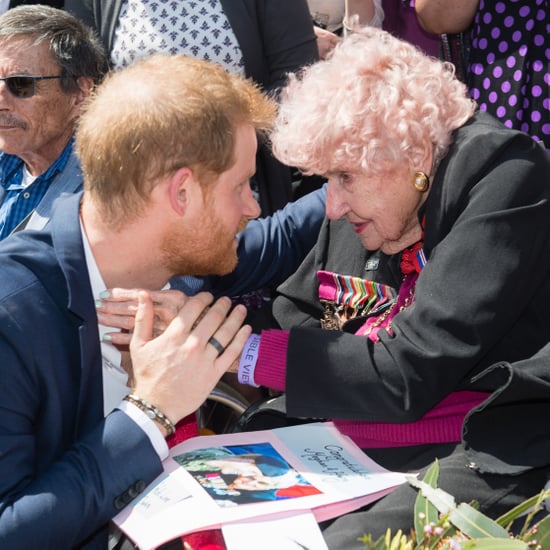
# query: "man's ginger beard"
x,y
204,250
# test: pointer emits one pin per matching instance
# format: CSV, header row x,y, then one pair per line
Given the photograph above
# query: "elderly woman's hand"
x,y
117,308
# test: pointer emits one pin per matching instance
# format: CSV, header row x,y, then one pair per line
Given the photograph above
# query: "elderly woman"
x,y
458,208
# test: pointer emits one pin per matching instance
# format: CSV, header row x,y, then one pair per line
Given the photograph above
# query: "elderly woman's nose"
x,y
336,206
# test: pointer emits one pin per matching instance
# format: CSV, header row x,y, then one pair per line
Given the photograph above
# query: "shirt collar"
x,y
11,168
98,285
96,280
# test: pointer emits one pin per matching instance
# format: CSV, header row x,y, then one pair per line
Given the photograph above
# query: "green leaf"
x,y
474,524
396,541
467,519
443,501
506,519
498,544
422,505
542,534
381,544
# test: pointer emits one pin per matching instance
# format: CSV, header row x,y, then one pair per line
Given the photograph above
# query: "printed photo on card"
x,y
245,474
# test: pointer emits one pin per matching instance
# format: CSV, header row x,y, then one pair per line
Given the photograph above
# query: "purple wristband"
x,y
247,364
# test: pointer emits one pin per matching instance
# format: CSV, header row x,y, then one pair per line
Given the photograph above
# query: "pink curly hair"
x,y
374,104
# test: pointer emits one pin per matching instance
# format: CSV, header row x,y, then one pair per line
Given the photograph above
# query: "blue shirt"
x,y
19,201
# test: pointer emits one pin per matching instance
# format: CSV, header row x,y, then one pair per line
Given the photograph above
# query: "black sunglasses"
x,y
24,86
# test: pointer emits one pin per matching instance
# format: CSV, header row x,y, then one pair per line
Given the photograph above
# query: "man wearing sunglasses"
x,y
49,64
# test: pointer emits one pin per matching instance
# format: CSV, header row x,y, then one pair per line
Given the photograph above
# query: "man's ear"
x,y
85,88
179,190
79,98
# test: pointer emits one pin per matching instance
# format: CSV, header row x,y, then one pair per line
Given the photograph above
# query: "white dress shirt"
x,y
114,376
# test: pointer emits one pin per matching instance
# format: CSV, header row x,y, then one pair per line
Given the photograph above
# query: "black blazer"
x,y
481,316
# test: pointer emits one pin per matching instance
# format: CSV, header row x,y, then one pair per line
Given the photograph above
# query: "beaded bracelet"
x,y
152,412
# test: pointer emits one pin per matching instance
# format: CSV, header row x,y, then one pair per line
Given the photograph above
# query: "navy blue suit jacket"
x,y
65,468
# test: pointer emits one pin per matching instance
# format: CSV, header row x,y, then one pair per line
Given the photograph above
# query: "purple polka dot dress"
x,y
509,64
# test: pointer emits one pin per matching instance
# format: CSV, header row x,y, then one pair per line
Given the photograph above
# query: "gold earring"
x,y
421,182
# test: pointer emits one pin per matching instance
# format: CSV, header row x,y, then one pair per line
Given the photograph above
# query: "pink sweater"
x,y
443,424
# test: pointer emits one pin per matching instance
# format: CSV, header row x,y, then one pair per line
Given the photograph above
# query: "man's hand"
x,y
118,310
177,370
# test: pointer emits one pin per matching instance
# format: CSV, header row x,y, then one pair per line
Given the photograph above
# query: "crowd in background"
x,y
370,177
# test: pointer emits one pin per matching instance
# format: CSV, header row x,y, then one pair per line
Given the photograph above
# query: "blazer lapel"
x,y
67,242
67,182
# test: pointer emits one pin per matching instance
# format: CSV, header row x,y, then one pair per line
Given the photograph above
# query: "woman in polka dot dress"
x,y
508,60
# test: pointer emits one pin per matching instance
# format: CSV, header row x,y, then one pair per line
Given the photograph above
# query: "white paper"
x,y
289,533
310,467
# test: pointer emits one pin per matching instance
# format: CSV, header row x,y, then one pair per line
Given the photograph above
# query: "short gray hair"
x,y
74,46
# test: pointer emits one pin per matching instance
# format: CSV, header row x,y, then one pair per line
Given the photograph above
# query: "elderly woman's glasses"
x,y
24,86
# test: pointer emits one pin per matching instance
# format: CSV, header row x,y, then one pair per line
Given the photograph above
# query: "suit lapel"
x,y
67,241
67,182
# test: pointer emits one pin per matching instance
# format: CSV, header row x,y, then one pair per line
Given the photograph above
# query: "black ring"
x,y
217,345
